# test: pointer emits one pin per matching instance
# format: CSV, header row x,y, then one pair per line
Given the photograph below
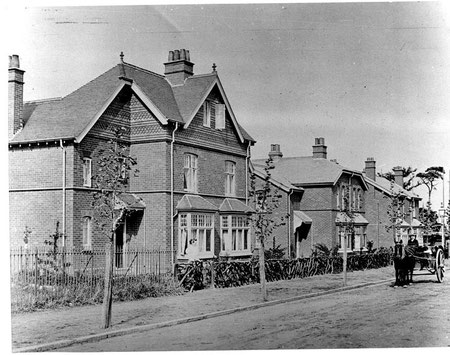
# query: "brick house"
x,y
378,197
290,197
317,215
190,196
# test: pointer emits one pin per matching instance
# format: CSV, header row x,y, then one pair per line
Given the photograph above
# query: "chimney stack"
x,y
398,175
15,95
320,149
371,170
275,152
178,67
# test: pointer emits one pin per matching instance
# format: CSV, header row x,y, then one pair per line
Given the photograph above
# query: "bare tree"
x,y
266,200
110,180
409,175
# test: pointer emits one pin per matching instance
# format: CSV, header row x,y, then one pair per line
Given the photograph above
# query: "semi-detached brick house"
x,y
317,216
190,195
378,197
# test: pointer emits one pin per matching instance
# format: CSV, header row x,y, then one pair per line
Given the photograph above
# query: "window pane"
x,y
233,240
201,239
208,240
239,240
224,239
245,239
220,116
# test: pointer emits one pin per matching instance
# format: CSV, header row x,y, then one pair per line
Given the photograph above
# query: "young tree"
x,y
266,200
110,180
346,226
409,175
431,177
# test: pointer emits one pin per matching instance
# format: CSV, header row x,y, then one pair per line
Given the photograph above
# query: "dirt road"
x,y
373,317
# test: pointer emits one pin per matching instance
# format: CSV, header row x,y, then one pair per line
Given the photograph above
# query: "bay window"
x,y
235,234
196,235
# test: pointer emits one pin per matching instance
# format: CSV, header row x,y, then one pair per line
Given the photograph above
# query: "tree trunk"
x,y
344,266
262,270
107,296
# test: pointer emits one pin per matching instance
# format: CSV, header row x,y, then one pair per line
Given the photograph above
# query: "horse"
x,y
404,265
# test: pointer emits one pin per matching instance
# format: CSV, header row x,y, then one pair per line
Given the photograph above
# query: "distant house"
x,y
378,198
190,196
317,217
290,196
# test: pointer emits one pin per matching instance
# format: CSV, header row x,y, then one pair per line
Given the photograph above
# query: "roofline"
x,y
94,120
388,192
150,105
353,172
227,104
279,184
38,141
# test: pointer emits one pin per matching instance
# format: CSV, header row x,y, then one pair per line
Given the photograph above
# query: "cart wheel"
x,y
440,267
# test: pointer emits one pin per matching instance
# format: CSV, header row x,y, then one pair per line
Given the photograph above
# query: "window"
x,y
350,240
87,230
196,234
207,114
360,207
87,172
190,172
353,198
230,178
343,205
338,198
220,116
235,235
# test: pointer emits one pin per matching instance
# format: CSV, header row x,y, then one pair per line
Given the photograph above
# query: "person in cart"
x,y
412,247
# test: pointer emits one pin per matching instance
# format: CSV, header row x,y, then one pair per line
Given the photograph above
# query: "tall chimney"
x,y
320,149
371,170
275,152
15,95
398,175
178,67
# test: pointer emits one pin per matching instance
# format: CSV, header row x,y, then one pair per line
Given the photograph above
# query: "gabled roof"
x,y
194,92
72,116
308,171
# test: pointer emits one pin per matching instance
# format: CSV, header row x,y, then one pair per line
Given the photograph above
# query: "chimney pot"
x,y
320,149
178,67
14,61
275,152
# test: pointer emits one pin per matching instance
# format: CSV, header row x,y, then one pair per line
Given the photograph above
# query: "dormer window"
x,y
207,114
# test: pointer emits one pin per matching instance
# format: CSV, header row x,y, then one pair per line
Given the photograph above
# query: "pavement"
x,y
52,329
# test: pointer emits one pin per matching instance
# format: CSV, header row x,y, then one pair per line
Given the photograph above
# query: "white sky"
x,y
371,78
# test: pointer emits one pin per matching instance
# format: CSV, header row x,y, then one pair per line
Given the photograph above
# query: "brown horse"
x,y
403,265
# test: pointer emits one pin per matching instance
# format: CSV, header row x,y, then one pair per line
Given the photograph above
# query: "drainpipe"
x,y
247,158
171,194
63,192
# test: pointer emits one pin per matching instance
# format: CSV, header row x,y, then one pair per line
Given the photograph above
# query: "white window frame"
x,y
235,238
190,172
230,178
87,172
87,233
207,113
195,230
220,116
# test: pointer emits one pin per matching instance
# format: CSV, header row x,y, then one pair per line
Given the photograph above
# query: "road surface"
x,y
373,317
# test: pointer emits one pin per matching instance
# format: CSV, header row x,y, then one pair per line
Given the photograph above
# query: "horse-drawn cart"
x,y
431,259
